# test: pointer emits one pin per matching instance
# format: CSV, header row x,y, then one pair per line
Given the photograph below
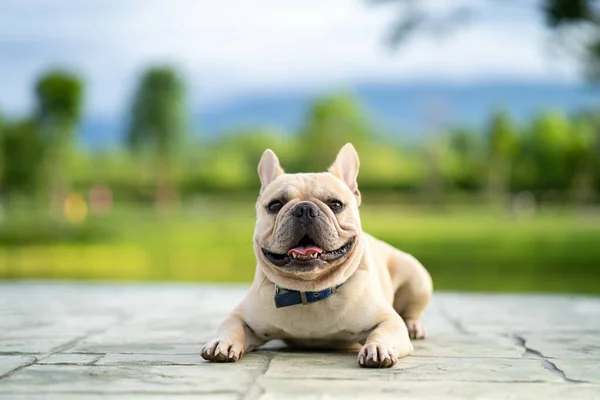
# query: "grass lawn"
x,y
464,248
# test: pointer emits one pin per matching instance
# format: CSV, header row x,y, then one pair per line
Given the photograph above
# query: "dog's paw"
x,y
375,355
222,350
416,330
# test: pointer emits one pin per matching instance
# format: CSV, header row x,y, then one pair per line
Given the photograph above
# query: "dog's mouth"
x,y
306,252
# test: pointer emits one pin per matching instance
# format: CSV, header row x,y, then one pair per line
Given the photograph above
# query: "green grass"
x,y
463,248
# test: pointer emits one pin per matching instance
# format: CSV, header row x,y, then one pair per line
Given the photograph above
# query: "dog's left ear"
x,y
346,166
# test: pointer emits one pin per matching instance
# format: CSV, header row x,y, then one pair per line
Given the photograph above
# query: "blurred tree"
x,y
502,146
568,17
21,149
331,122
387,166
2,131
594,119
157,125
560,12
549,143
466,152
59,97
583,151
230,164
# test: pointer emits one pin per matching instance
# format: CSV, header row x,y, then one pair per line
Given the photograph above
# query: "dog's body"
x,y
308,238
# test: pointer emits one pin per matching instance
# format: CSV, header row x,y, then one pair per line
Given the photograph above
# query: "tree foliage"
x,y
552,153
557,14
468,159
59,98
157,124
331,122
561,12
21,148
157,119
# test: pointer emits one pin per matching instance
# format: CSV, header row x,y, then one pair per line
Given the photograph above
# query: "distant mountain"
x,y
102,132
402,109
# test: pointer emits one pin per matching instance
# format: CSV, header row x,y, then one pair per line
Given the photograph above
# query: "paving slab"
x,y
132,341
447,390
10,363
458,369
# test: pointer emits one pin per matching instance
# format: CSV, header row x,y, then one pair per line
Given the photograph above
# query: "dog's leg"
x,y
413,293
386,343
235,339
410,302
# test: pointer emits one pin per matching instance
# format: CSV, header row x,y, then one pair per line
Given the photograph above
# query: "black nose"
x,y
305,210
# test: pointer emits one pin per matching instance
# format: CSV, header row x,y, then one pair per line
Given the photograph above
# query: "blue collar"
x,y
287,298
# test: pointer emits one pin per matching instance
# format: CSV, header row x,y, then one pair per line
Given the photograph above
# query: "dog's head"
x,y
308,227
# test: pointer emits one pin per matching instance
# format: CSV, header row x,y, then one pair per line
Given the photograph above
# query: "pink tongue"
x,y
304,250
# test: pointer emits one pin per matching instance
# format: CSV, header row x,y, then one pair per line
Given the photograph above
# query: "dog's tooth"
x,y
294,255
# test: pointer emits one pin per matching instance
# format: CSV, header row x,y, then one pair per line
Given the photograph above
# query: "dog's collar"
x,y
287,298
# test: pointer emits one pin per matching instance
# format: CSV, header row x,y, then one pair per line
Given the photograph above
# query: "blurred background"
x,y
130,132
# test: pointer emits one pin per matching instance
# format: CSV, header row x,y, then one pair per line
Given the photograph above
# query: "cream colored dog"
x,y
320,280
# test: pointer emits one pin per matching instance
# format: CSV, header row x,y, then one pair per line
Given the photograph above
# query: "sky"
x,y
228,49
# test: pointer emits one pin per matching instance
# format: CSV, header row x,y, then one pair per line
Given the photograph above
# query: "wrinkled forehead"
x,y
304,186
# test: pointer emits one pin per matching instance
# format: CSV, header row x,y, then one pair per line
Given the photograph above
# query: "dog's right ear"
x,y
268,168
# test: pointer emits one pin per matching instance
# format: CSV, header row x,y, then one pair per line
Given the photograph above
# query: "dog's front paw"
x,y
416,330
375,355
222,350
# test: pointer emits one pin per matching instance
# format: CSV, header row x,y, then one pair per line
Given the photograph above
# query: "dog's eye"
x,y
335,205
274,206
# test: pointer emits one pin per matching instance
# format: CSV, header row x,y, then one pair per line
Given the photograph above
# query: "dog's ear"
x,y
268,168
346,166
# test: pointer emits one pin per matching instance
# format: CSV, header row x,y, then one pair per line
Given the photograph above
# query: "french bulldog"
x,y
320,281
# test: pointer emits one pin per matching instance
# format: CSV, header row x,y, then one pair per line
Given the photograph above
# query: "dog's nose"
x,y
305,210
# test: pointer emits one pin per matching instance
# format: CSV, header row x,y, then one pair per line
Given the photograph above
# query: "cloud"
x,y
232,47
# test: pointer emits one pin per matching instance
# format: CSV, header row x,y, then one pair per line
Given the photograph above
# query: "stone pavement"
x,y
84,341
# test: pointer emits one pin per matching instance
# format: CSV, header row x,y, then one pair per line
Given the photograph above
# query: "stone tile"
x,y
141,396
70,359
150,359
32,344
564,345
436,324
149,340
9,363
276,389
448,345
344,366
58,379
252,360
580,370
52,323
151,333
133,347
137,341
523,313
